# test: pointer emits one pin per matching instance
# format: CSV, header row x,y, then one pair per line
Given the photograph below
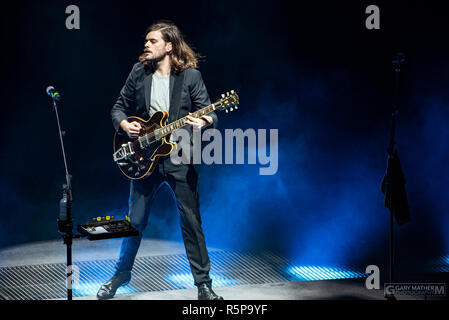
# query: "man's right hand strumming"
x,y
131,128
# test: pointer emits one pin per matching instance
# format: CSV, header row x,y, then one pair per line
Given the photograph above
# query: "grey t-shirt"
x,y
160,97
160,93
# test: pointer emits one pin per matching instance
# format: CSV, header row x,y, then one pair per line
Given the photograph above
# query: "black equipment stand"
x,y
109,228
398,60
65,225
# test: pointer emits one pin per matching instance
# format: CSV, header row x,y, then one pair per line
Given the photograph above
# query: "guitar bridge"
x,y
124,152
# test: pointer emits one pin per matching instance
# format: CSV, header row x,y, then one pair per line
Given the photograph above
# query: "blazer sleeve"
x,y
199,95
125,102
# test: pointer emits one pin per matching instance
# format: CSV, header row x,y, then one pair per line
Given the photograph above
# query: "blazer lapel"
x,y
147,81
176,82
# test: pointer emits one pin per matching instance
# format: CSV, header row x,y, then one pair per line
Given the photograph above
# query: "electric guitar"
x,y
138,157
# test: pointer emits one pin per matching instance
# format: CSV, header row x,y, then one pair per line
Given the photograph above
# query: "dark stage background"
x,y
310,69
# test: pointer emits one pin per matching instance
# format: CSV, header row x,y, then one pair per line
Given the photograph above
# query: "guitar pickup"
x,y
157,134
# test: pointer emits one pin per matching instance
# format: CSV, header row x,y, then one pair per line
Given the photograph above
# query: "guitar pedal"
x,y
107,228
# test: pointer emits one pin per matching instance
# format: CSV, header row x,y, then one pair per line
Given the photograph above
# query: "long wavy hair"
x,y
182,56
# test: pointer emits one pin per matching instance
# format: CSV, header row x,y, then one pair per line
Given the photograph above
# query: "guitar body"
x,y
142,161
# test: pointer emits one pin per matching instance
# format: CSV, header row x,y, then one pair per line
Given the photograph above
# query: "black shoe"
x,y
107,291
205,292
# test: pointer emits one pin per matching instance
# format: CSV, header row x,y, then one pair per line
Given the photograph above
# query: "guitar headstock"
x,y
230,100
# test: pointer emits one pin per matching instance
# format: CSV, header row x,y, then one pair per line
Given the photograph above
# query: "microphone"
x,y
51,91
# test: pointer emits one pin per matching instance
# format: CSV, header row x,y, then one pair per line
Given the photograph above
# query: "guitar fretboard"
x,y
162,132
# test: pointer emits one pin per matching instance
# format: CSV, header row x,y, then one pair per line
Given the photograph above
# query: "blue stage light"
x,y
185,280
84,289
312,273
441,264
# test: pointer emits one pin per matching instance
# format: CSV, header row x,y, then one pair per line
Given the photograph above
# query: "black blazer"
x,y
187,94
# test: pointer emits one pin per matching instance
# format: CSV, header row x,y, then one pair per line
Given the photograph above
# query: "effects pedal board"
x,y
107,228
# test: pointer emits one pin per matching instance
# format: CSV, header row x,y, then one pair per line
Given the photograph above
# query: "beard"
x,y
155,59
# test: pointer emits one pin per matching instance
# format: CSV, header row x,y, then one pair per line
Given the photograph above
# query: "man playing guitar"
x,y
165,79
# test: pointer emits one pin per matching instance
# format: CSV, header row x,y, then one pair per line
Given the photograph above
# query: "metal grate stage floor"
x,y
154,273
37,271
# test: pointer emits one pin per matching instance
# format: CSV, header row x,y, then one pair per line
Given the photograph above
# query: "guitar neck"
x,y
162,132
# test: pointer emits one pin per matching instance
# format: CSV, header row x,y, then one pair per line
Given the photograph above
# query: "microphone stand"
x,y
65,225
392,153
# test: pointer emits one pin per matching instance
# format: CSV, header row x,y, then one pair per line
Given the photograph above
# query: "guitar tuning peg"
x,y
232,91
227,111
235,107
231,109
227,93
223,95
